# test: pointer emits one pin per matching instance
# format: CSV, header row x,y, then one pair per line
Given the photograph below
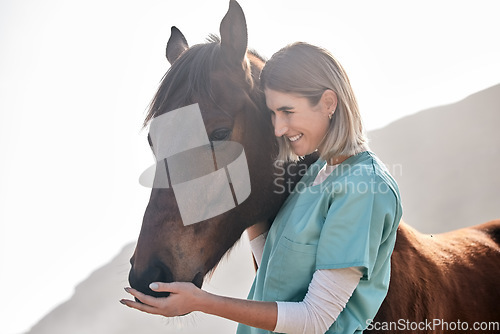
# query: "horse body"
x,y
450,276
443,278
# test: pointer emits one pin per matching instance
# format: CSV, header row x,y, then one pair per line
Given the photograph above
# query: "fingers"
x,y
145,299
139,306
152,305
165,287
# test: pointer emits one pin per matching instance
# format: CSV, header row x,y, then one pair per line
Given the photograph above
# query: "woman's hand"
x,y
184,298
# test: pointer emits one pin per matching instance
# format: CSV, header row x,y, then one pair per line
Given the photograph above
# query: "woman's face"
x,y
303,125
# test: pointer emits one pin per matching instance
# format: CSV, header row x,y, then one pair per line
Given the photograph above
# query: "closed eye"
x,y
283,110
286,110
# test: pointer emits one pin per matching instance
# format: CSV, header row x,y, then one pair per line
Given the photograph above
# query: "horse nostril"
x,y
156,272
162,273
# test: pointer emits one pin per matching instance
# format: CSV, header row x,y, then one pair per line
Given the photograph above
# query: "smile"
x,y
295,138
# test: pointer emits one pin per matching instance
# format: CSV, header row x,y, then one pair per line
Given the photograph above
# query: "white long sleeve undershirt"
x,y
257,246
327,295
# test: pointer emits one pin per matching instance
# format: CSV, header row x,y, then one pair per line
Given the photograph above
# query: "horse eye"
x,y
220,134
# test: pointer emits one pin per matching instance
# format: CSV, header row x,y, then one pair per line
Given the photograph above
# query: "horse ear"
x,y
233,33
176,45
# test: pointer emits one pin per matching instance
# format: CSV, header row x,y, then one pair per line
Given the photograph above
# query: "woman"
x,y
324,265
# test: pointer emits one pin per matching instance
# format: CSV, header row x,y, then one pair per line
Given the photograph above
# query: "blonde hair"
x,y
306,70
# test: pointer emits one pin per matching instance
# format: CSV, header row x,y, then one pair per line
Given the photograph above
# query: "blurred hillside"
x,y
446,161
94,307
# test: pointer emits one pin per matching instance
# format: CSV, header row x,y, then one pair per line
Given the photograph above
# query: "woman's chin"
x,y
302,153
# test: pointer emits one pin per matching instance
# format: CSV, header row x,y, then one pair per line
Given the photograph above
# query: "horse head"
x,y
222,76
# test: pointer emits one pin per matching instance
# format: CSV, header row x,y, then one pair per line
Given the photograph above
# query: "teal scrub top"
x,y
349,220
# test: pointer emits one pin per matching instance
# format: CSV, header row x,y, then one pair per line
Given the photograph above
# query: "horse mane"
x,y
188,79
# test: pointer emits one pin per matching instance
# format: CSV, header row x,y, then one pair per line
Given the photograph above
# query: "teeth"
x,y
295,138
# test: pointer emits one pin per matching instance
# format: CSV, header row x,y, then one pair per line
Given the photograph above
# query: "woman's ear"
x,y
329,101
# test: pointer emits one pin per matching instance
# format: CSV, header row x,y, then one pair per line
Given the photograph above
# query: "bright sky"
x,y
76,78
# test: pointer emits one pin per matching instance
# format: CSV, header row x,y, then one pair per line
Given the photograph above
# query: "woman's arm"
x,y
186,297
328,294
257,229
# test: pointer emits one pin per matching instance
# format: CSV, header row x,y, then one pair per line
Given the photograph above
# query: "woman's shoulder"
x,y
365,164
364,171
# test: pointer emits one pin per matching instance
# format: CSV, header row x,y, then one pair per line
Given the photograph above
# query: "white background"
x,y
76,78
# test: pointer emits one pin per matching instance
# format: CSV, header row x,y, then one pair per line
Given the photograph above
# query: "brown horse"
x,y
446,278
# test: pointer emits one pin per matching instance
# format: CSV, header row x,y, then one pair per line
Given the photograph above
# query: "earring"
x,y
330,115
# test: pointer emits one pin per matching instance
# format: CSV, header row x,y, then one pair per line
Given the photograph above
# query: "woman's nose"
x,y
280,127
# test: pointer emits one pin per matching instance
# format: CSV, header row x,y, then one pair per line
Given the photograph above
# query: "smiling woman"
x,y
306,86
301,126
326,257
